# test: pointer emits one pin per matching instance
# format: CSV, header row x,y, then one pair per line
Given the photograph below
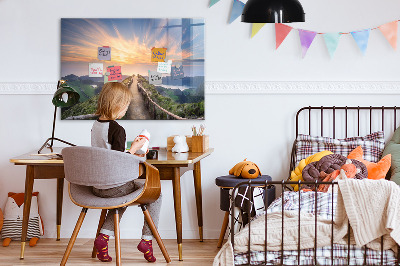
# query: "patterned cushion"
x,y
372,144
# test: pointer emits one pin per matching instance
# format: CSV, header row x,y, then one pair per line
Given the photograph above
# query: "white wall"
x,y
259,127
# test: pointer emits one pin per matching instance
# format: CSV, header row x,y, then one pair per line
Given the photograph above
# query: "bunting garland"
x,y
361,37
213,2
281,31
256,27
389,30
306,39
332,41
237,9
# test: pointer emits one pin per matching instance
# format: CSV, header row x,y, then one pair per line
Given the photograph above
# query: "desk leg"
x,y
60,190
176,182
199,204
27,206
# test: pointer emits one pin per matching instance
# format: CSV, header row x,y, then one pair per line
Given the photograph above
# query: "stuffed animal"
x,y
180,144
245,169
13,215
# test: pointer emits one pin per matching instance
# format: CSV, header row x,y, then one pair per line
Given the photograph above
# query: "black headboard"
x,y
344,121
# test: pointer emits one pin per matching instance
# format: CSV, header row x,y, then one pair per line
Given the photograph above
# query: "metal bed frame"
x,y
283,184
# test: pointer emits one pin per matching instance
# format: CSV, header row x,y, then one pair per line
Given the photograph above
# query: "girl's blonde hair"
x,y
113,97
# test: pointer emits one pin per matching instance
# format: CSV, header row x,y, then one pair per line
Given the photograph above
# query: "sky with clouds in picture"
x,y
131,41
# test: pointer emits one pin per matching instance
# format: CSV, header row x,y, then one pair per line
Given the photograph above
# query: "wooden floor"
x,y
50,252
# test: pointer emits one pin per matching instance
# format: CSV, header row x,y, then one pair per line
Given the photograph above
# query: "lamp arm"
x,y
46,143
75,99
54,126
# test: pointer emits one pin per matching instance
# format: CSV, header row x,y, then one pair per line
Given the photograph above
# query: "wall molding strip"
x,y
248,87
303,87
28,88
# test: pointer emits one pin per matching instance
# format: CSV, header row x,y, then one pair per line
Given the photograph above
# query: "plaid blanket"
x,y
323,205
324,257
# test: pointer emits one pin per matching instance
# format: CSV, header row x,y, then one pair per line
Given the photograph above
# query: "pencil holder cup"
x,y
200,143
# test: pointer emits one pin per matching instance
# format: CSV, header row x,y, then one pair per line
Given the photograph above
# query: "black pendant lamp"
x,y
273,11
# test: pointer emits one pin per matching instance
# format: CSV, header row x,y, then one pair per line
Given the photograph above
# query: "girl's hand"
x,y
142,155
137,144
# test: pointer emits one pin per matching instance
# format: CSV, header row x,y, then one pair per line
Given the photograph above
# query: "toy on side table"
x,y
13,215
245,169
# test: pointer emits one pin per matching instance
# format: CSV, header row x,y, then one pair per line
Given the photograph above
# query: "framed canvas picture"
x,y
160,60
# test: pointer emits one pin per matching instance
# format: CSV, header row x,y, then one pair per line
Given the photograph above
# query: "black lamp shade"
x,y
73,97
273,11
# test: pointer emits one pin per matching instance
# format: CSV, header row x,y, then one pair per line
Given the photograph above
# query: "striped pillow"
x,y
372,145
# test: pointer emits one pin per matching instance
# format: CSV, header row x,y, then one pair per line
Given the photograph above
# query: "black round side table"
x,y
228,182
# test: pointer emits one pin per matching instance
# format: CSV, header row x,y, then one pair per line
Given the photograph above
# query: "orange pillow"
x,y
375,170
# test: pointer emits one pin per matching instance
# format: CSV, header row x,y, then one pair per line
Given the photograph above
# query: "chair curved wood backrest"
x,y
152,186
85,167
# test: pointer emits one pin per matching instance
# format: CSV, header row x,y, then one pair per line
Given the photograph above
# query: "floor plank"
x,y
49,252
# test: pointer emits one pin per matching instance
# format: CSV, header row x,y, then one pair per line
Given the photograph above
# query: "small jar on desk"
x,y
226,183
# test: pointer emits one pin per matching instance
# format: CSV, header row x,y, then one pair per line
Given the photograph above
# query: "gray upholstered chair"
x,y
85,167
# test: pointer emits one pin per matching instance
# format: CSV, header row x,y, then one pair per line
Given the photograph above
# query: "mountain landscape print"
x,y
160,60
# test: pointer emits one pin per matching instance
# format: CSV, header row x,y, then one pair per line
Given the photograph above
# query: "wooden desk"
x,y
168,164
40,167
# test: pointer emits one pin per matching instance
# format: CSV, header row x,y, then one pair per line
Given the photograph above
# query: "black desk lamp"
x,y
65,96
273,11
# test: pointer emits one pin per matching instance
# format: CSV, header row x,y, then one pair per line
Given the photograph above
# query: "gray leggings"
x,y
154,208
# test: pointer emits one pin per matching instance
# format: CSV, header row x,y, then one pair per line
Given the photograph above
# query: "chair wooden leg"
x,y
223,229
117,239
154,230
73,237
101,222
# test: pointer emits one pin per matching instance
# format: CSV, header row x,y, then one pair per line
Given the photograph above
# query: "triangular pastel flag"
x,y
237,9
213,2
361,37
281,31
332,41
306,38
255,28
390,32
